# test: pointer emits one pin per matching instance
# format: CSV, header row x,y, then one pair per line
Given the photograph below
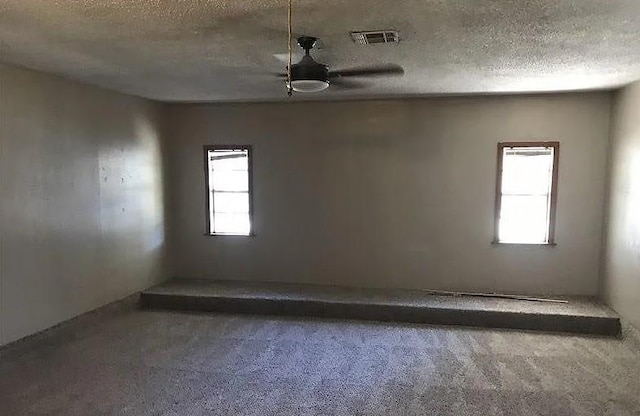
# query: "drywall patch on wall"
x,y
82,219
396,193
622,252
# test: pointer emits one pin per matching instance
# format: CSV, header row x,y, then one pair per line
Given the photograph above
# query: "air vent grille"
x,y
375,36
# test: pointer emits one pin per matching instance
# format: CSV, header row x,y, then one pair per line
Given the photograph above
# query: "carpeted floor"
x,y
123,361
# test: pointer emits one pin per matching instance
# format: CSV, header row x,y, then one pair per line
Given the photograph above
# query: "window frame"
x,y
551,240
208,205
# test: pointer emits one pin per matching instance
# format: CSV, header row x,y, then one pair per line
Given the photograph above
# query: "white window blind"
x,y
229,191
526,194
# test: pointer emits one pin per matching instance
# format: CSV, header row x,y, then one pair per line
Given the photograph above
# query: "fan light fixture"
x,y
309,85
309,76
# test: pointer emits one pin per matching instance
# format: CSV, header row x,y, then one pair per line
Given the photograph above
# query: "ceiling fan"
x,y
309,76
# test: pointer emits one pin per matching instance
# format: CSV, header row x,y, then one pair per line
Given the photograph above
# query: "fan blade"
x,y
284,57
344,84
373,71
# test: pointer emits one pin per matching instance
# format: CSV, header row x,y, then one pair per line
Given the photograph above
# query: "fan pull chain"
x,y
289,89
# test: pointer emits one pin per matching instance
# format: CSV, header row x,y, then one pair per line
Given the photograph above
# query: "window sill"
x,y
501,243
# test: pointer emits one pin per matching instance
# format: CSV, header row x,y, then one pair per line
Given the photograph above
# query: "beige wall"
x,y
81,217
391,193
622,254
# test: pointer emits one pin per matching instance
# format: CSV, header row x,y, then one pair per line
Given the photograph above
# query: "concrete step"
x,y
578,315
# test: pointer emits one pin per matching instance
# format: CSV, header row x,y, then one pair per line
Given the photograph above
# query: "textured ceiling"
x,y
206,50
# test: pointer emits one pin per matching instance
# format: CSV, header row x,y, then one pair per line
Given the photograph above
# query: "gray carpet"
x,y
579,306
123,361
578,315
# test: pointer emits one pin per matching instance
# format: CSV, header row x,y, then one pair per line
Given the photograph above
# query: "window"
x,y
228,177
526,192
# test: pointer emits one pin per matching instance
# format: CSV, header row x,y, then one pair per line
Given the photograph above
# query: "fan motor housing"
x,y
308,69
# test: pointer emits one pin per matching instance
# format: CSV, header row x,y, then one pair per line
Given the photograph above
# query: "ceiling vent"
x,y
376,36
